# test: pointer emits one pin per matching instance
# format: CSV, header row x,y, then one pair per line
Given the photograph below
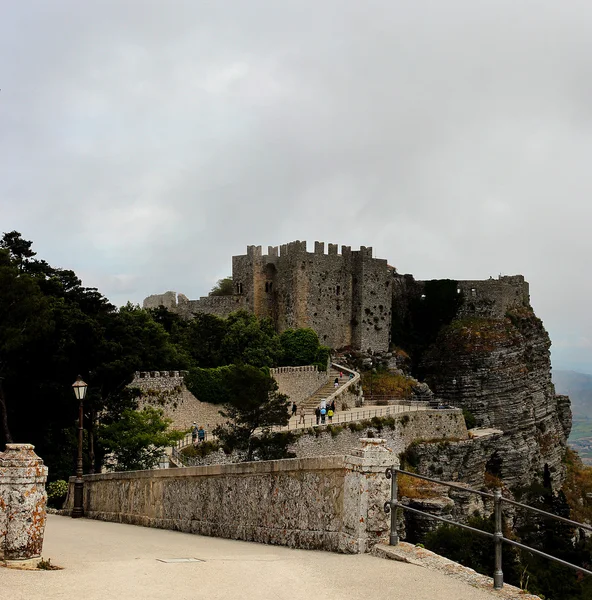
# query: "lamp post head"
x,y
79,387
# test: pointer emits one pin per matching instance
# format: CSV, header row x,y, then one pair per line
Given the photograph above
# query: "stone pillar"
x,y
22,503
366,489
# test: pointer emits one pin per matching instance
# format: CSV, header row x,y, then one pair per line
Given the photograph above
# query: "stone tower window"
x,y
473,292
239,288
268,286
338,290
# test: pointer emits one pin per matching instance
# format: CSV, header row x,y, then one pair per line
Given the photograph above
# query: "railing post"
x,y
392,504
498,574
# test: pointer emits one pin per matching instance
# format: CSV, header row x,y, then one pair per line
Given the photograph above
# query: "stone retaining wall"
x,y
327,503
409,427
166,390
447,426
299,383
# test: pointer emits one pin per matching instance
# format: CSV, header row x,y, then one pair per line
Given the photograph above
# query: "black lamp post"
x,y
79,388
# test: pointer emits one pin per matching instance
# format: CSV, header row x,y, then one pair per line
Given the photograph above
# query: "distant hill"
x,y
578,386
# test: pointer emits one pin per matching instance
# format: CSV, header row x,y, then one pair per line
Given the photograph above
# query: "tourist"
x,y
330,415
336,383
302,414
332,405
201,434
318,413
194,429
323,403
323,413
351,375
294,409
340,375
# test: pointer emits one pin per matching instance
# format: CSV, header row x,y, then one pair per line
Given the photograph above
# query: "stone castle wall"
x,y
168,300
221,306
492,298
328,503
345,297
299,383
166,390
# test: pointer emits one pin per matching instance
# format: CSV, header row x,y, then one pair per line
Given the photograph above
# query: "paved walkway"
x,y
110,561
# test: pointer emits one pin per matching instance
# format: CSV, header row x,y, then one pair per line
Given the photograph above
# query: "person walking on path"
x,y
332,406
194,433
318,413
323,413
336,383
323,403
201,434
330,415
340,375
294,409
302,414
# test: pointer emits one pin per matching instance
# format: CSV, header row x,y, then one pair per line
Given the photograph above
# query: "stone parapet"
x,y
326,503
22,503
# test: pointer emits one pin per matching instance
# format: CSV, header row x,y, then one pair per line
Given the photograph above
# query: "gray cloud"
x,y
142,143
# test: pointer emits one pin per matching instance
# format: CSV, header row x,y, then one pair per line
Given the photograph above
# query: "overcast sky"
x,y
144,142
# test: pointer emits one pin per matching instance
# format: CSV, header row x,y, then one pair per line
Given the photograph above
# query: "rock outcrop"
x,y
499,370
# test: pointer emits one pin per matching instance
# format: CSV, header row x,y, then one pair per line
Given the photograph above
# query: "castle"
x,y
346,297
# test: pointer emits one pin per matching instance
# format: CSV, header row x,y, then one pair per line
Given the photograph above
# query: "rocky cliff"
x,y
494,363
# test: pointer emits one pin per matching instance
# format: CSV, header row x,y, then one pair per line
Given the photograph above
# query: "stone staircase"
x,y
324,392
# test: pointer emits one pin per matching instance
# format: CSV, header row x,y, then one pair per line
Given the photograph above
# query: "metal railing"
x,y
392,506
355,415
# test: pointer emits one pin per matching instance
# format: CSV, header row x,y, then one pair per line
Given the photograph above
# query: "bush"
x,y
209,385
470,420
56,493
200,450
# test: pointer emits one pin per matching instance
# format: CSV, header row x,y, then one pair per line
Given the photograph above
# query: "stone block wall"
x,y
299,383
410,427
446,426
221,306
166,390
327,503
492,298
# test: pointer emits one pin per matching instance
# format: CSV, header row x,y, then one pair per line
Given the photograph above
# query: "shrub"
x,y
470,420
56,493
409,458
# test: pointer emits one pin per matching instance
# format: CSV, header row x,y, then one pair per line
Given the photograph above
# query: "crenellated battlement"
x,y
158,374
303,369
298,247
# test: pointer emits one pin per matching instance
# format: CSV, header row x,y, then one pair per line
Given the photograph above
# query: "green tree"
x,y
52,329
302,347
25,322
137,440
251,341
223,287
254,405
203,338
209,385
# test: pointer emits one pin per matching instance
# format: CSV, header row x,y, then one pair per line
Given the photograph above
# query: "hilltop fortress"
x,y
346,297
